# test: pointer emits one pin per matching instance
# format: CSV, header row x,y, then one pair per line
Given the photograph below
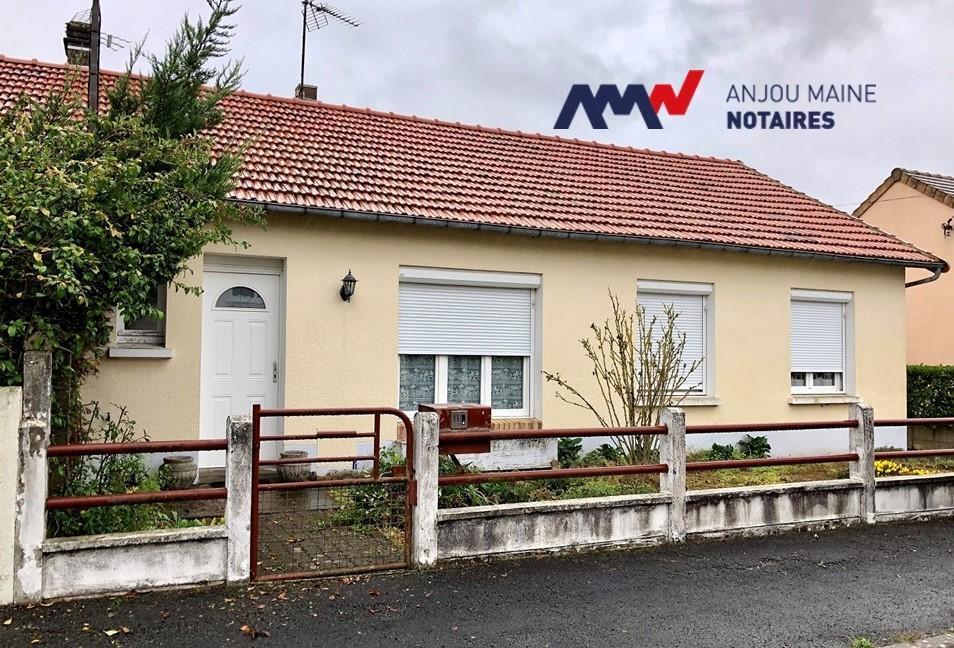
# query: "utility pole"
x,y
95,20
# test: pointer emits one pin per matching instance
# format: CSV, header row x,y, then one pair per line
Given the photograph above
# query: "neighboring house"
x,y
483,255
919,208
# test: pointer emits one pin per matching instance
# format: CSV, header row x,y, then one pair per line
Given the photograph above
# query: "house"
x,y
482,256
919,207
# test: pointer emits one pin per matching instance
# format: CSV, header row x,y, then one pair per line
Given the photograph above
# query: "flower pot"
x,y
179,472
398,471
293,472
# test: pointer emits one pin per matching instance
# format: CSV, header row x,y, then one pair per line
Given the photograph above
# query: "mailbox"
x,y
461,417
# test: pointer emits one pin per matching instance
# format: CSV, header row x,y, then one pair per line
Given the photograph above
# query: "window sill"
x,y
139,351
700,401
822,399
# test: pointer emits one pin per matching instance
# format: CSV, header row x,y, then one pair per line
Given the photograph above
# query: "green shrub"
x,y
722,452
930,391
751,447
568,451
104,475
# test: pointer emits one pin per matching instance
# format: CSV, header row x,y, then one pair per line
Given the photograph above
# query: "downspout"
x,y
934,277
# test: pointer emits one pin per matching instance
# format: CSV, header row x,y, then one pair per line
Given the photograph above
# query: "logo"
x,y
635,95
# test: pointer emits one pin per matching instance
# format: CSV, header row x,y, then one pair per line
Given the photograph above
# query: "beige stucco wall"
x,y
341,354
910,215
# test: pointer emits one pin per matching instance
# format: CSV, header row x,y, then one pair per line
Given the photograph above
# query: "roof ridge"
x,y
477,127
926,173
412,117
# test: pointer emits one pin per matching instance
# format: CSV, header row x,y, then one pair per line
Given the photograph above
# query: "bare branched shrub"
x,y
639,370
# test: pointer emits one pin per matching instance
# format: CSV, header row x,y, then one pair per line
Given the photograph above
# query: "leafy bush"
x,y
569,450
609,453
105,475
97,211
751,447
930,391
722,452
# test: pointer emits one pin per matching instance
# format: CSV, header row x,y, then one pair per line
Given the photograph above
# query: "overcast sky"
x,y
510,63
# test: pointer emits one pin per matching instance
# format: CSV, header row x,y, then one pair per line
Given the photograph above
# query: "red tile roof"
x,y
348,161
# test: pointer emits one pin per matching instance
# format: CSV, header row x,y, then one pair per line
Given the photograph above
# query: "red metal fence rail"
x,y
914,454
258,413
735,428
136,447
452,439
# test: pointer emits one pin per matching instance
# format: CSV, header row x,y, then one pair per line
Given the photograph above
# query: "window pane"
x,y
417,381
148,323
798,379
240,297
506,382
826,379
463,379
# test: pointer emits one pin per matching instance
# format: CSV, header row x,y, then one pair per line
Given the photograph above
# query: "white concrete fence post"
x,y
30,528
11,410
861,441
424,514
238,503
672,452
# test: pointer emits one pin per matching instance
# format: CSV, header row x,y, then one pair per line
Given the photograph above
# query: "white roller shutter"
x,y
818,336
691,321
464,320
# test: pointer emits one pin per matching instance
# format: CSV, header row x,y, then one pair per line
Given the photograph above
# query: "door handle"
x,y
275,371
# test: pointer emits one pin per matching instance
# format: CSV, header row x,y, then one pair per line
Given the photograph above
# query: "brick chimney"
x,y
307,92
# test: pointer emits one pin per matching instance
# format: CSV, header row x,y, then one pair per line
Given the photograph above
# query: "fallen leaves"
x,y
253,632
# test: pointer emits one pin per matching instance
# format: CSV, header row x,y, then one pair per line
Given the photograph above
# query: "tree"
x,y
99,210
639,370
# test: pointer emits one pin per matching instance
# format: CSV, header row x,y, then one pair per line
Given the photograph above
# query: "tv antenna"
x,y
82,42
314,16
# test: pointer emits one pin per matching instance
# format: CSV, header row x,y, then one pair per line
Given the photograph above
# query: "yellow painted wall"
x,y
342,354
910,215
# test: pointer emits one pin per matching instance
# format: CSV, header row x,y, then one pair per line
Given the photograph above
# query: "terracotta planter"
x,y
179,472
398,471
294,472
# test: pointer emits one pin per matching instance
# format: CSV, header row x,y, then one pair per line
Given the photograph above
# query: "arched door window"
x,y
240,297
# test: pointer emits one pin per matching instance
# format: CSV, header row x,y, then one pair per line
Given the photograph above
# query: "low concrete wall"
x,y
120,562
10,411
552,526
764,509
914,496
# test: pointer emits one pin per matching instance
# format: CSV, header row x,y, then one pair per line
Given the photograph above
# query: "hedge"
x,y
930,391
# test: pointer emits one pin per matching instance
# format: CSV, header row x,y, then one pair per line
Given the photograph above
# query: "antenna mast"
x,y
314,16
82,45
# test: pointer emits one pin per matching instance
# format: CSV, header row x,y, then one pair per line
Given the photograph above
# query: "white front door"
x,y
241,318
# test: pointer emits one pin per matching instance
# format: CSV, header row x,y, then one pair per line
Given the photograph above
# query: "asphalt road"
x,y
885,583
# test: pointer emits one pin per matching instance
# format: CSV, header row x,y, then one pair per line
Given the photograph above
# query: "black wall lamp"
x,y
347,286
947,227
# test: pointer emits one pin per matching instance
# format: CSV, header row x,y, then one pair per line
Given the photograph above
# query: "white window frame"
x,y
453,277
141,337
707,292
845,385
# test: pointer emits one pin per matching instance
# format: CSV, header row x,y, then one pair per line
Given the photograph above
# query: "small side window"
x,y
144,330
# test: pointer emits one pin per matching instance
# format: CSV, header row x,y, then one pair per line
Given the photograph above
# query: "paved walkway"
x,y
885,583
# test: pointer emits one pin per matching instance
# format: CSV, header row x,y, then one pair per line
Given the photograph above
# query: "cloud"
x,y
510,63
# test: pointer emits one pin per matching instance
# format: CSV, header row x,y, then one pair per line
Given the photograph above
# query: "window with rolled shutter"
x,y
690,321
475,343
464,320
818,357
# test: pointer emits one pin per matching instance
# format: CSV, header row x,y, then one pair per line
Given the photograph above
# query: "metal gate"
x,y
347,522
